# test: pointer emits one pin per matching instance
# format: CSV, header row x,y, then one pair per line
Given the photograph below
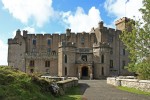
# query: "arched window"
x,y
102,59
65,58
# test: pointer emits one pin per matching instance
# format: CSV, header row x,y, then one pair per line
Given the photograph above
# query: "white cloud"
x,y
39,10
29,29
119,8
3,53
80,21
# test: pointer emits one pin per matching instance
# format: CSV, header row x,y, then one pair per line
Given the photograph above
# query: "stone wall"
x,y
143,85
68,83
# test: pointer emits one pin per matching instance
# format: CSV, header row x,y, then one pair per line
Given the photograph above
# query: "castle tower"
x,y
16,51
102,52
123,23
66,59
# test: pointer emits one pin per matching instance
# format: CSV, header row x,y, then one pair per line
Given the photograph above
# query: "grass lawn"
x,y
72,94
133,90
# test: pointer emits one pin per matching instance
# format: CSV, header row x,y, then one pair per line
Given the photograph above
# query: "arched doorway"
x,y
84,71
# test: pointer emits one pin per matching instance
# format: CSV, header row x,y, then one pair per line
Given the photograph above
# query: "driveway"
x,y
100,90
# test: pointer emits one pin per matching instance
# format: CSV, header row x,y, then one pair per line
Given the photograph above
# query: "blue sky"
x,y
54,16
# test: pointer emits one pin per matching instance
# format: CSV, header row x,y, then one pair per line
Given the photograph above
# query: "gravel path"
x,y
100,90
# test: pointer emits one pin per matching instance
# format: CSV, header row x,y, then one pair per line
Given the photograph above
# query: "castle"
x,y
99,52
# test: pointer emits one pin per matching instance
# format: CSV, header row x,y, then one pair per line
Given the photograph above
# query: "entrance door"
x,y
84,71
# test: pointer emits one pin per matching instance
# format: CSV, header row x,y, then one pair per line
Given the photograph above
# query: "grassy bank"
x,y
16,85
133,90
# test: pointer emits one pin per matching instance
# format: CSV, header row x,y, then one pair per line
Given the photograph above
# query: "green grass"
x,y
133,90
16,85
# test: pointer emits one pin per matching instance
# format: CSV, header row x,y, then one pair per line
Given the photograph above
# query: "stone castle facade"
x,y
98,53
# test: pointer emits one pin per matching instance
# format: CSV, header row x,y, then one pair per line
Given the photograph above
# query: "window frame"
x,y
47,63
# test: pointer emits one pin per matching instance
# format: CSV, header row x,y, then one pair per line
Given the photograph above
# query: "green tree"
x,y
137,42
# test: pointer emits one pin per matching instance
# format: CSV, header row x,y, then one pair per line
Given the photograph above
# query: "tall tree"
x,y
137,42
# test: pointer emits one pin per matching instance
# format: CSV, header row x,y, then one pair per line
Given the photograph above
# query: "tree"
x,y
137,42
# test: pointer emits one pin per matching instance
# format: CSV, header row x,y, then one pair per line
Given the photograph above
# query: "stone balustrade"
x,y
143,85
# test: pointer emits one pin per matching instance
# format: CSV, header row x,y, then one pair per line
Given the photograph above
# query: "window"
x,y
102,59
82,40
123,64
31,70
111,63
47,63
84,57
32,63
49,42
34,42
65,71
124,52
65,58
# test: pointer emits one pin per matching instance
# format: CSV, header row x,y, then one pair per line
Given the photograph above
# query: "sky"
x,y
54,16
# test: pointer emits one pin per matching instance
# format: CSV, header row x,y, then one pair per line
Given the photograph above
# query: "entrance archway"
x,y
84,71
